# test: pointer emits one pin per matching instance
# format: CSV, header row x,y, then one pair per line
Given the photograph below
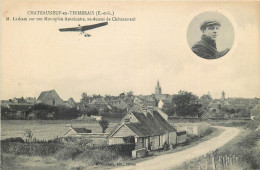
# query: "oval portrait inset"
x,y
210,35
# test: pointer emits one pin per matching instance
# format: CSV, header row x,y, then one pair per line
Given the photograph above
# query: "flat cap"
x,y
208,23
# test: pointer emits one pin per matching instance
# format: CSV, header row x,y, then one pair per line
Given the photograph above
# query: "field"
x,y
45,129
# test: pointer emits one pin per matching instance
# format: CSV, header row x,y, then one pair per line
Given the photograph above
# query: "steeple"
x,y
223,95
158,89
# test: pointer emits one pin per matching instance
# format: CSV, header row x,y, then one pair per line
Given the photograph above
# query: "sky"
x,y
126,56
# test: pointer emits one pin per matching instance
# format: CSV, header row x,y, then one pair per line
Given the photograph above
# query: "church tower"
x,y
223,96
158,89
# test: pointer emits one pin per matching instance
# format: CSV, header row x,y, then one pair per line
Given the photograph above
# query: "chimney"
x,y
144,110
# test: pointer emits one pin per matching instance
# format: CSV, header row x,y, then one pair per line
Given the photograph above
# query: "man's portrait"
x,y
210,35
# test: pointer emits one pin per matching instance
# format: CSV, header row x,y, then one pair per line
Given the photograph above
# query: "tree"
x,y
130,94
122,95
84,98
104,125
186,104
205,98
28,134
96,96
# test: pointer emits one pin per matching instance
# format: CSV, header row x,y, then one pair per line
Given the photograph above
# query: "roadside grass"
x,y
243,150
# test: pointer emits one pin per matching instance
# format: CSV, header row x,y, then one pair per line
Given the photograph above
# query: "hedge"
x,y
30,149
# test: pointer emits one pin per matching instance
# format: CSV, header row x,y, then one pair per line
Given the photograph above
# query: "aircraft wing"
x,y
89,27
69,29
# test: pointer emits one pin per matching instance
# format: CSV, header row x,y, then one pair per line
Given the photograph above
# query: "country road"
x,y
170,161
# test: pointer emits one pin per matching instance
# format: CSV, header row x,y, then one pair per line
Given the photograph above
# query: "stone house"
x,y
50,97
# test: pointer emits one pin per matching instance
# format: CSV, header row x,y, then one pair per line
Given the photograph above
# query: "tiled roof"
x,y
121,105
44,94
135,108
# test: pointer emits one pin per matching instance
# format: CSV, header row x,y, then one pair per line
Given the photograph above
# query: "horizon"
x,y
103,95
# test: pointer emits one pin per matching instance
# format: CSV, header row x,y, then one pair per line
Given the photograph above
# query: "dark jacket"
x,y
206,48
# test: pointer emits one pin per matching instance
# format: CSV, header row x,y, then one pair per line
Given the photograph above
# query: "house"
x,y
50,98
137,101
147,127
70,103
120,105
160,104
19,110
5,103
192,128
214,107
101,104
19,100
86,134
76,131
30,100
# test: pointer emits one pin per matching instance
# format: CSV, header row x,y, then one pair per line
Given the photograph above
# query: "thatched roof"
x,y
148,124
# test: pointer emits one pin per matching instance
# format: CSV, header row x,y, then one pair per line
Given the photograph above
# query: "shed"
x,y
76,131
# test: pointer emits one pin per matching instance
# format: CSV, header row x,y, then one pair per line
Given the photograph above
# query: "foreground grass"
x,y
25,156
67,155
32,156
22,162
245,147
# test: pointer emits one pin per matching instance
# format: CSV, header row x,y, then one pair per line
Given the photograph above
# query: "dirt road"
x,y
169,161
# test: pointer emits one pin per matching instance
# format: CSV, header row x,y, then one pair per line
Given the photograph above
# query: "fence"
x,y
211,162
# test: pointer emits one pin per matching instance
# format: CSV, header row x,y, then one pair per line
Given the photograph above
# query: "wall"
x,y
138,153
71,133
155,142
172,119
123,132
181,138
172,138
114,140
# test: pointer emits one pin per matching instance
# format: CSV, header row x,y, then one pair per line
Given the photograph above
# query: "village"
x,y
143,124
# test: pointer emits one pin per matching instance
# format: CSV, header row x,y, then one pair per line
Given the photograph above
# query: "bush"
x,y
192,138
30,149
16,139
122,149
253,124
79,142
206,132
205,129
67,153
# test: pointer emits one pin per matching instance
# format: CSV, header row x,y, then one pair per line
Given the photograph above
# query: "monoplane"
x,y
82,29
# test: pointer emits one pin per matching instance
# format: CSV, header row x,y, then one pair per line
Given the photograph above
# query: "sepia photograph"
x,y
216,33
143,85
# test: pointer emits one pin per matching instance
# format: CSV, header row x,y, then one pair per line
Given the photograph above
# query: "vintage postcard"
x,y
130,85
